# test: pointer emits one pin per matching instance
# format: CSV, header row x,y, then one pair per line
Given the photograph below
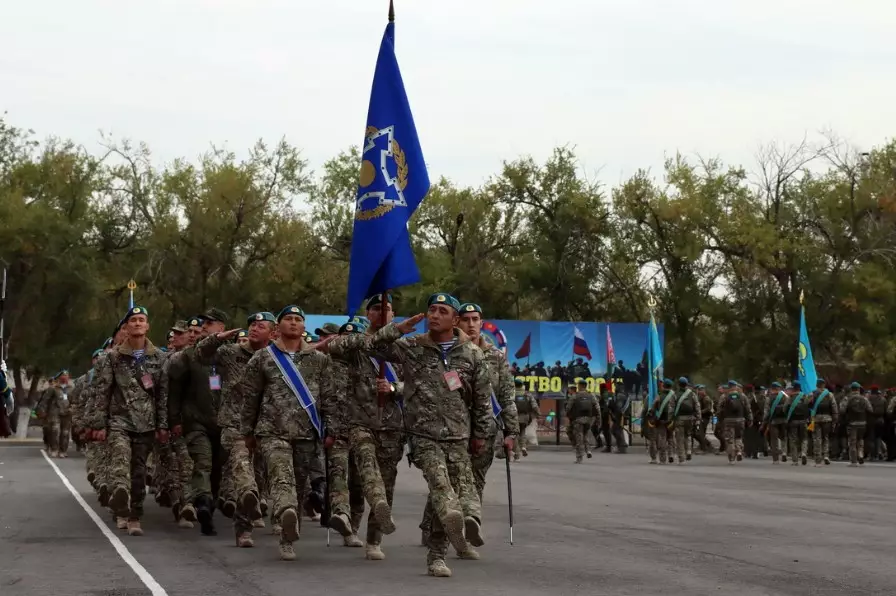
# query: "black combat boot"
x,y
205,510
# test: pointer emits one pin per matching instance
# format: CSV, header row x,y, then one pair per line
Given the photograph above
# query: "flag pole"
x,y
391,12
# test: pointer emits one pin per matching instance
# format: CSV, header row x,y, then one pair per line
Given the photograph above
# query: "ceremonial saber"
x,y
509,491
2,320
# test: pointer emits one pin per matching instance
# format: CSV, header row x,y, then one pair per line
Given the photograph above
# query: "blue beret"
x,y
683,380
776,385
352,328
96,353
667,381
137,310
261,316
292,309
107,343
243,333
377,299
820,383
762,388
195,322
360,321
732,383
796,385
699,386
855,385
443,298
470,307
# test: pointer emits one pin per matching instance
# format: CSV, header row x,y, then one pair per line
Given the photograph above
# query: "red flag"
x,y
611,355
525,349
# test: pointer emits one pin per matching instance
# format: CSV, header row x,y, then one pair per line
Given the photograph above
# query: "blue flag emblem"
x,y
393,180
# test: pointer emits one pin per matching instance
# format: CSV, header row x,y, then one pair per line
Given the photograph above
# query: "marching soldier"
x,y
582,408
706,412
447,408
195,398
875,427
280,391
238,488
661,414
775,420
130,410
56,411
527,412
797,419
687,409
615,417
824,417
856,413
735,413
344,482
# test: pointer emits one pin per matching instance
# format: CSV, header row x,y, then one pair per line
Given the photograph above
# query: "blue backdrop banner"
x,y
528,343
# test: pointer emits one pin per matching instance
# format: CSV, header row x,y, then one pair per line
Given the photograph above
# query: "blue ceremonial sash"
x,y
799,396
771,411
296,384
818,401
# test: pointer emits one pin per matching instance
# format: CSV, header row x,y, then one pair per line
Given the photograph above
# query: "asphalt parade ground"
x,y
613,525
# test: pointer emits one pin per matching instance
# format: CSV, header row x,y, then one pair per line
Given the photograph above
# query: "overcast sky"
x,y
626,81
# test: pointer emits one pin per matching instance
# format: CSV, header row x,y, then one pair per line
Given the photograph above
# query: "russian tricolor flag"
x,y
579,345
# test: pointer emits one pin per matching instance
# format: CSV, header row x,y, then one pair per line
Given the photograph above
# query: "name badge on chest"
x,y
146,381
214,382
452,379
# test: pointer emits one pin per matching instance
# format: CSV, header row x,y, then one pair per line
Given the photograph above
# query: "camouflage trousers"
x,y
777,439
448,472
522,442
797,440
344,484
377,455
127,467
683,430
289,465
102,466
855,437
734,438
180,470
577,431
60,432
658,439
821,439
205,450
237,475
91,457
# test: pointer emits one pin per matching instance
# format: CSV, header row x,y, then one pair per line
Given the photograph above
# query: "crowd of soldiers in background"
x,y
272,420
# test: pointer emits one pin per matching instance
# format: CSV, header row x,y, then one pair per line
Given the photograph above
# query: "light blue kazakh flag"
x,y
654,361
806,374
392,183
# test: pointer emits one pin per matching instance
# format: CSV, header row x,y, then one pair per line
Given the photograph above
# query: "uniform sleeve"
x,y
567,405
385,344
868,408
174,368
506,394
595,409
208,348
481,408
105,384
835,408
533,404
748,414
249,390
334,381
162,401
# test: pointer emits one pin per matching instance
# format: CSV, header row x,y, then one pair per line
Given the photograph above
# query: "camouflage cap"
x,y
327,329
216,314
180,327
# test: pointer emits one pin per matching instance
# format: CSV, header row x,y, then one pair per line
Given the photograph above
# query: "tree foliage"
x,y
725,251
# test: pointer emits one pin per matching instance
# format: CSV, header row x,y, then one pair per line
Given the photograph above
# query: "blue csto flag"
x,y
806,374
393,181
654,361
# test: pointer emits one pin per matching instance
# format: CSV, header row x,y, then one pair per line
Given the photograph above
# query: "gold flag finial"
x,y
651,302
802,296
132,285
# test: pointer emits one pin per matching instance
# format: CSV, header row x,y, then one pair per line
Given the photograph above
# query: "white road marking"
x,y
148,580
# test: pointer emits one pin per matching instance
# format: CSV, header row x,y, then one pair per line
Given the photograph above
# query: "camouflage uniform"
x,y
273,415
56,410
874,431
824,420
857,411
194,406
686,410
659,436
581,410
237,469
344,483
798,413
76,399
441,422
736,412
776,423
376,437
132,414
702,425
527,411
177,461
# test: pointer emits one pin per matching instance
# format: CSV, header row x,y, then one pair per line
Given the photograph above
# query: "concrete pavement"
x,y
613,525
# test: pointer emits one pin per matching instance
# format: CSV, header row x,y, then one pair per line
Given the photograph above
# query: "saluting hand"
x,y
324,344
225,335
410,324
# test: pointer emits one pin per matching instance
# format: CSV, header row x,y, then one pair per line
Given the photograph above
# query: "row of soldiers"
x,y
784,416
219,401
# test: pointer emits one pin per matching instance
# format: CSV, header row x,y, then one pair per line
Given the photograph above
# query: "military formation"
x,y
273,422
781,422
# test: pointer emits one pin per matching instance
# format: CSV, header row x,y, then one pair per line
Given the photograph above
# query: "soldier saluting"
x,y
131,406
